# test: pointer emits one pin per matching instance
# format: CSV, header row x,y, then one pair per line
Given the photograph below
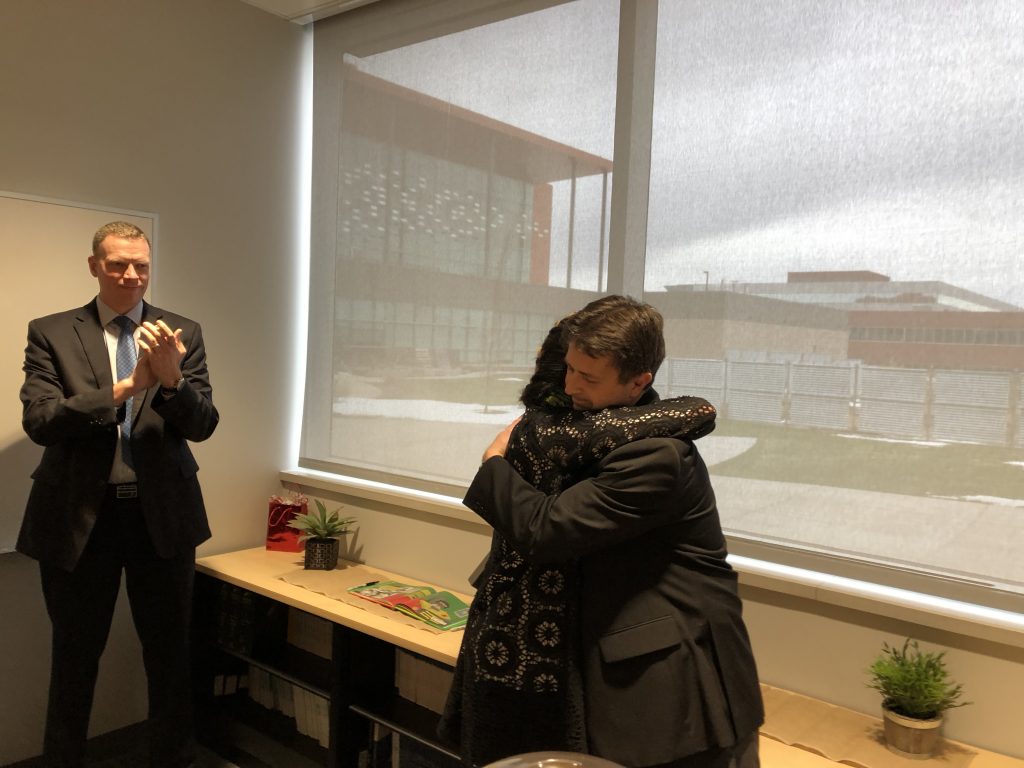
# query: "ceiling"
x,y
305,11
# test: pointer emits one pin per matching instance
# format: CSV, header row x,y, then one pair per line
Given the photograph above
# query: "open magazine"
x,y
441,610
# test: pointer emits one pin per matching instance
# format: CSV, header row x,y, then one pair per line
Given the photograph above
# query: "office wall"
x,y
824,650
189,109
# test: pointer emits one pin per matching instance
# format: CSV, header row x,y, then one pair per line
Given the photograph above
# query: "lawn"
x,y
794,454
802,455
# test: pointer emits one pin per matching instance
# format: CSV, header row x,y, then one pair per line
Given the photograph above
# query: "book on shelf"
x,y
229,683
312,715
260,689
235,624
303,721
439,609
422,681
284,698
310,633
322,712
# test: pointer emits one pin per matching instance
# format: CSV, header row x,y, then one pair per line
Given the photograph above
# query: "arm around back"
x,y
636,488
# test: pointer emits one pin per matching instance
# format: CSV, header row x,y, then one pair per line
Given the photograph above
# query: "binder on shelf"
x,y
235,626
255,684
302,720
321,708
284,701
422,681
378,751
309,632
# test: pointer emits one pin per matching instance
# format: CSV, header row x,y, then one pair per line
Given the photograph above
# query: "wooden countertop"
x,y
259,570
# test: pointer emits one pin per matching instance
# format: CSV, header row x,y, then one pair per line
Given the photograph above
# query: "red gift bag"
x,y
280,536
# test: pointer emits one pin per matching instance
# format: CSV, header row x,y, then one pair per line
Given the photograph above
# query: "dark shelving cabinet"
x,y
236,628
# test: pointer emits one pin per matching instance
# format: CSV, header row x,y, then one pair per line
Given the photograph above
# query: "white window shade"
x,y
832,227
835,236
461,183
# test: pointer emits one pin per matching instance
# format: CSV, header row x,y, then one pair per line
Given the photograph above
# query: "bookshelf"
x,y
265,649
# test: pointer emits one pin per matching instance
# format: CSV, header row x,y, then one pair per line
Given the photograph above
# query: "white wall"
x,y
824,651
189,109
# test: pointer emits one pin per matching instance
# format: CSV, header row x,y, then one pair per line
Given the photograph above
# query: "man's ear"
x,y
92,266
642,382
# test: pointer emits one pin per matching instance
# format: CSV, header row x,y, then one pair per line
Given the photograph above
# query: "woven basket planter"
x,y
910,737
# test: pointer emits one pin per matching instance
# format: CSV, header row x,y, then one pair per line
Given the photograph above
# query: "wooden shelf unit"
x,y
241,616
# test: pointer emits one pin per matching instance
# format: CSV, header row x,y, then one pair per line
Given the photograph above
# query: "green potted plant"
x,y
321,532
916,690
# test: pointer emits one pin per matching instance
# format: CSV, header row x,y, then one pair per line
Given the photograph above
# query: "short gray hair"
x,y
120,229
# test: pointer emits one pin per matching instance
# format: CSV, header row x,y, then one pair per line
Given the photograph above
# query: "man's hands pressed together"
x,y
163,351
160,354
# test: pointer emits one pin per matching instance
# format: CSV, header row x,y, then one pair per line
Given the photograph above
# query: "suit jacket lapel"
x,y
90,335
151,314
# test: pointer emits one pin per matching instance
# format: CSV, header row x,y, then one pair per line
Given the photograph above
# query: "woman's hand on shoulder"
x,y
500,443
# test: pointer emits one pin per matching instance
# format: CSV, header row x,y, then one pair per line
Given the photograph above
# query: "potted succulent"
x,y
916,690
320,532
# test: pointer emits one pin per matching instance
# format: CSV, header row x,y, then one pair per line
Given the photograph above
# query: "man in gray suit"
x,y
669,678
113,391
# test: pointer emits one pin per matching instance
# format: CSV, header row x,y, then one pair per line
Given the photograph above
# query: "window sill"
x,y
843,736
960,617
963,618
421,501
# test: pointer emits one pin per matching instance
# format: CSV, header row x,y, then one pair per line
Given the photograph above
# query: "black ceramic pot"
x,y
321,554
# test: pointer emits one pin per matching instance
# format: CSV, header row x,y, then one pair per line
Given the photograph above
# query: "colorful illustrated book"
x,y
441,610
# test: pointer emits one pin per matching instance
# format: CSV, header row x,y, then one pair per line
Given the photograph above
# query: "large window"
x,y
835,199
469,180
826,208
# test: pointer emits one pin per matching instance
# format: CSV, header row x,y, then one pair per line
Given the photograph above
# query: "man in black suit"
x,y
669,678
113,391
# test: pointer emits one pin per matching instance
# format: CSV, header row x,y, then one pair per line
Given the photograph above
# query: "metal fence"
x,y
910,403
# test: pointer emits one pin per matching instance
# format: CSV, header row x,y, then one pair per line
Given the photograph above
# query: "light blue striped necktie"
x,y
126,358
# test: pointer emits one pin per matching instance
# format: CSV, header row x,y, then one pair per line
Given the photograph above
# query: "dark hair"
x,y
120,229
547,384
628,332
